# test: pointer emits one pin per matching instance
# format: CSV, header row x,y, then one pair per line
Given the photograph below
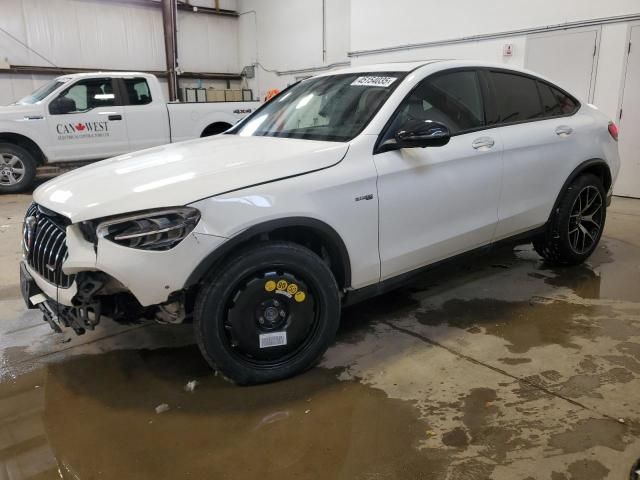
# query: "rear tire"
x,y
576,225
17,168
265,290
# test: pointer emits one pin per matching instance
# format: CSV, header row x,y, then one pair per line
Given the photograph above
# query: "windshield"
x,y
333,108
41,93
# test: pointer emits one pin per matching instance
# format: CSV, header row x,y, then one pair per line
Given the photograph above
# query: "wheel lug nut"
x,y
276,303
282,314
261,320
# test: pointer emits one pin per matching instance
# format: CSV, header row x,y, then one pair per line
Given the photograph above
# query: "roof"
x,y
382,67
103,74
436,64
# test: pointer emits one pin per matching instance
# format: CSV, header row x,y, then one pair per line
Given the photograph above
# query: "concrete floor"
x,y
500,368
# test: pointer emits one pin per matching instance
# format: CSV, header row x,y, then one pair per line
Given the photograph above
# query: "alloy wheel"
x,y
585,221
12,169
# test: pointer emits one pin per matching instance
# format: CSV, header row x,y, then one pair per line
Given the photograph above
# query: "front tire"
x,y
17,168
576,226
267,313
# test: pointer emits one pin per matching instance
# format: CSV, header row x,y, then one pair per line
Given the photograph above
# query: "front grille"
x,y
45,244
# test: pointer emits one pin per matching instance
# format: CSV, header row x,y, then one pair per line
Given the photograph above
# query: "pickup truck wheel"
x,y
268,313
577,224
17,168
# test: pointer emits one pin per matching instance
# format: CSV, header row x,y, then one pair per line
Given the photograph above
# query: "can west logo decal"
x,y
76,131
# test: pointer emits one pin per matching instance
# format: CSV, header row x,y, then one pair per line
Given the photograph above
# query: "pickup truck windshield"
x,y
41,93
334,108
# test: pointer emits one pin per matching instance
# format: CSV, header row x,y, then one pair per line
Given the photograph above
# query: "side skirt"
x,y
356,296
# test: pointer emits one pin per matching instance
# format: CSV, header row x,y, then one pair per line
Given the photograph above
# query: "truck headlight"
x,y
153,230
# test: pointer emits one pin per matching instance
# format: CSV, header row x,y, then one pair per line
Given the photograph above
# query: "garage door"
x,y
628,183
567,58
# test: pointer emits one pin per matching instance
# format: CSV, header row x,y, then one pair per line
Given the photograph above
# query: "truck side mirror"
x,y
62,105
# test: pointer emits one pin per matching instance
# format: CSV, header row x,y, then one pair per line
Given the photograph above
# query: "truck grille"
x,y
45,244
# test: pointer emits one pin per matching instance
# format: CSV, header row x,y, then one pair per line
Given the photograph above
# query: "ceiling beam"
x,y
183,5
42,70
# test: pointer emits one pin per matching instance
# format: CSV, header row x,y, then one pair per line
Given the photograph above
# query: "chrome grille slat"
x,y
46,228
49,246
56,243
48,249
36,242
46,240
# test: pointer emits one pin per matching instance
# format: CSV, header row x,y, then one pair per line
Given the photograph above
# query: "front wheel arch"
x,y
292,229
25,142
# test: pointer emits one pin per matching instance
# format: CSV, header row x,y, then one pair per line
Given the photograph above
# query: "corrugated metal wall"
x,y
108,34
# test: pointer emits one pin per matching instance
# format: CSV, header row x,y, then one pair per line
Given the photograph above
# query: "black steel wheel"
x,y
576,225
267,313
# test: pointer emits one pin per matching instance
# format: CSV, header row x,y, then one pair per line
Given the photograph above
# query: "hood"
x,y
182,173
11,112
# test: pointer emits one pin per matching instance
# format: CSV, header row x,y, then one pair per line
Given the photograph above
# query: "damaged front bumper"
x,y
93,296
58,315
75,280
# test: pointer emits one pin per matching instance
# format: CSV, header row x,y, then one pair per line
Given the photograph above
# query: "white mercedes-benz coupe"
x,y
341,187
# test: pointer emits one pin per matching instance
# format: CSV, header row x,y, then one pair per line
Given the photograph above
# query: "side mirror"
x,y
62,105
423,134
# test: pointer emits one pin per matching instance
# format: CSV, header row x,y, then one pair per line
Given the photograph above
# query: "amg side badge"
x,y
365,197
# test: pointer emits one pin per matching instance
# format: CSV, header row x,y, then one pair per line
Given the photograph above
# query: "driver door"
x,y
436,202
86,121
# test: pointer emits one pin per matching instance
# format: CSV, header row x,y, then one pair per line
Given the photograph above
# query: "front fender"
x,y
324,231
31,131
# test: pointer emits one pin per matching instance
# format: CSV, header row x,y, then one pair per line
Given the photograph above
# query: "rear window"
x,y
517,98
137,90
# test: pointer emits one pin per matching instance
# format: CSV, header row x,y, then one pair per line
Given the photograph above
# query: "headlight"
x,y
154,230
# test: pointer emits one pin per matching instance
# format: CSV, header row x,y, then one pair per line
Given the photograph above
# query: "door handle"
x,y
483,143
115,117
564,130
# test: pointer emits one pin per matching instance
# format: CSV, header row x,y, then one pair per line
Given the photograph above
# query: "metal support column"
x,y
169,24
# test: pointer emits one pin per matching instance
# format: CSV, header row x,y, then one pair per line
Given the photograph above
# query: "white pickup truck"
x,y
92,116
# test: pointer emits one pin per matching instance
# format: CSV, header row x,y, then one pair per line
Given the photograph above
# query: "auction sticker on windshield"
x,y
373,81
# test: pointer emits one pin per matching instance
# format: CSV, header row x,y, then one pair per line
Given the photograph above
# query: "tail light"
x,y
613,131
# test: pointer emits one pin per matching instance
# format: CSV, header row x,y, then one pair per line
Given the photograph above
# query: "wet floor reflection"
x,y
94,416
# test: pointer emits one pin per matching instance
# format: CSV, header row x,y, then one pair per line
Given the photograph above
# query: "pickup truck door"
x,y
86,121
147,117
435,202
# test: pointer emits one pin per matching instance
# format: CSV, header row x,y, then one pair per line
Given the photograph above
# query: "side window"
x,y
450,98
554,102
567,104
137,90
550,103
83,96
516,97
